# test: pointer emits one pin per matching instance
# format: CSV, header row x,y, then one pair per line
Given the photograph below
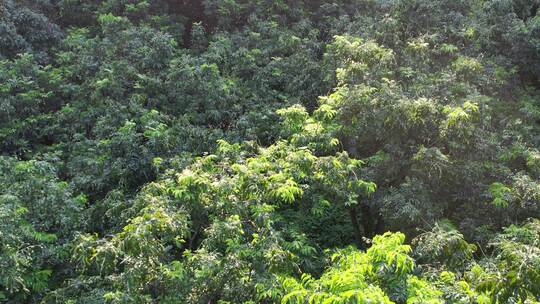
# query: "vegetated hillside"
x,y
235,151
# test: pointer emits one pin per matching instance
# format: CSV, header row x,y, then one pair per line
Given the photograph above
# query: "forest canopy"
x,y
257,151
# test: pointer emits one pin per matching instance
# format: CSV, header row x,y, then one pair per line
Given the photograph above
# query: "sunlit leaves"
x,y
359,61
390,254
364,277
421,291
501,195
287,190
460,115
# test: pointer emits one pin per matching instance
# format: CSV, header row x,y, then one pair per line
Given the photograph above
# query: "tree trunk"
x,y
358,230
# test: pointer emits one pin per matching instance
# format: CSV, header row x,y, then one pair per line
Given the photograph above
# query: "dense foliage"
x,y
235,151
